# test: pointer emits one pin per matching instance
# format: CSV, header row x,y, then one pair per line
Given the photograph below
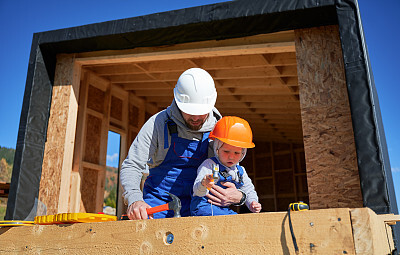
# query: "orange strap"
x,y
156,209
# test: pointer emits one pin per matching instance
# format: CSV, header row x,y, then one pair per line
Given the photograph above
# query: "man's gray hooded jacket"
x,y
147,150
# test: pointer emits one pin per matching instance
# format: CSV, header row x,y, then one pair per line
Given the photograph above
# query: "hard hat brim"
x,y
235,143
195,109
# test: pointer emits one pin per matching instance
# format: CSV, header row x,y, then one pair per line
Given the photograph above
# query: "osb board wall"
x,y
89,189
278,173
116,108
332,172
57,158
92,145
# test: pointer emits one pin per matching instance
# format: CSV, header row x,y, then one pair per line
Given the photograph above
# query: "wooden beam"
x,y
316,231
281,42
146,85
162,53
370,236
254,72
390,219
259,98
59,148
75,192
258,82
268,91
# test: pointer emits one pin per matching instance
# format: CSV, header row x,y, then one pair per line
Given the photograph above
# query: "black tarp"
x,y
216,21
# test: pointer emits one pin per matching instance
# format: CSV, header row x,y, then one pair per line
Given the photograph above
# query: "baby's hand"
x,y
255,207
208,181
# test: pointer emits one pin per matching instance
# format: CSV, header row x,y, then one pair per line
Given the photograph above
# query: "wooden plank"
x,y
93,166
389,219
157,54
75,195
245,61
63,203
149,84
260,72
389,235
80,130
268,91
317,232
98,81
116,128
103,149
281,42
59,147
332,170
370,235
124,144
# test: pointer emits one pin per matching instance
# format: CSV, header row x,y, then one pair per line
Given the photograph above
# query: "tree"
x,y
3,170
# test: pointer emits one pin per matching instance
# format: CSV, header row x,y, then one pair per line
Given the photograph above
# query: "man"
x,y
172,144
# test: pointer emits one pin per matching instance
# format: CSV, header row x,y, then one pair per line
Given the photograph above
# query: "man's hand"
x,y
137,211
224,197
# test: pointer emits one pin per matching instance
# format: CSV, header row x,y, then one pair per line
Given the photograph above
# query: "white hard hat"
x,y
195,92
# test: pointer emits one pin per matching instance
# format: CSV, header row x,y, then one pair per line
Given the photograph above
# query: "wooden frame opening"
x,y
257,78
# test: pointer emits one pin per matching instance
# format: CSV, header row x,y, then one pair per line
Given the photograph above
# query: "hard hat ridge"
x,y
234,131
195,92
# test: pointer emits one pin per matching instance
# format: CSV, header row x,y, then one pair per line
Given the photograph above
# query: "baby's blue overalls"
x,y
176,174
200,205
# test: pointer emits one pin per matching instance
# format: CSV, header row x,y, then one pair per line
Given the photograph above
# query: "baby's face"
x,y
229,155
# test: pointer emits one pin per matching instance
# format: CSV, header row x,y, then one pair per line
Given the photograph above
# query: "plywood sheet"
x,y
92,141
332,171
96,99
89,189
116,108
133,115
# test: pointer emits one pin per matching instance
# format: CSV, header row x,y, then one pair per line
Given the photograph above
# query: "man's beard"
x,y
195,128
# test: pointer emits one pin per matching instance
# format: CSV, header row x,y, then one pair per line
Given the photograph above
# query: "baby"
x,y
232,136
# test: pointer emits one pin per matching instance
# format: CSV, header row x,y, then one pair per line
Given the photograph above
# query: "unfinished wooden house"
x,y
297,71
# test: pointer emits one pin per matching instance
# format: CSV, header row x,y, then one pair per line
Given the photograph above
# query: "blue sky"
x,y
19,19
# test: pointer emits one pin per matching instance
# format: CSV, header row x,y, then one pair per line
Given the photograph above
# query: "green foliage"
x,y
5,170
3,207
7,154
111,199
111,187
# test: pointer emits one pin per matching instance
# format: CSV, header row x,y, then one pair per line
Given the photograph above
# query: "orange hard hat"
x,y
234,131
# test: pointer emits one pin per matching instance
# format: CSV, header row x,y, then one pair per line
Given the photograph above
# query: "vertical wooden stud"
x,y
58,155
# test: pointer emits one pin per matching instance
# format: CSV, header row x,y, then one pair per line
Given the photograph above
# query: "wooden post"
x,y
371,234
332,171
59,147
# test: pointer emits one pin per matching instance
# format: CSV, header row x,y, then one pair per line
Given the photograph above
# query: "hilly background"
x,y
6,165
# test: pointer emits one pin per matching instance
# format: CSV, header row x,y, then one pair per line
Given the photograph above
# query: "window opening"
x,y
112,173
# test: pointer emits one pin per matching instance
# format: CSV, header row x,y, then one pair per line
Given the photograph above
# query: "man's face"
x,y
194,122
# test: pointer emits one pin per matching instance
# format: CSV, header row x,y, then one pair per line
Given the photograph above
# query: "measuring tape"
x,y
299,206
15,223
